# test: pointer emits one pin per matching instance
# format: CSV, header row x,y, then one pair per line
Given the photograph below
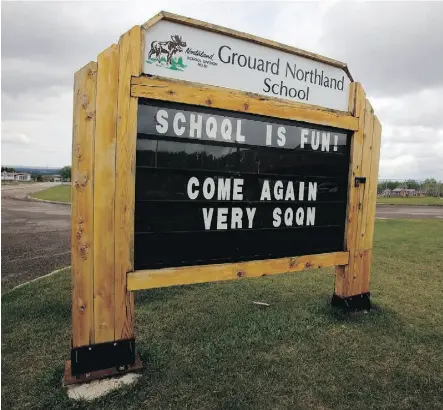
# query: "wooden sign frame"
x,y
106,96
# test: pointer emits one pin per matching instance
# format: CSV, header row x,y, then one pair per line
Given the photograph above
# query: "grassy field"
x,y
208,347
59,193
418,200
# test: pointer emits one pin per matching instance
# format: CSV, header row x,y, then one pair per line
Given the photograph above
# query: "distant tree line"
x,y
65,174
429,187
8,169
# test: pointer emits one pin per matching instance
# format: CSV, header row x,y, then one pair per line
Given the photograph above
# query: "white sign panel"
x,y
191,54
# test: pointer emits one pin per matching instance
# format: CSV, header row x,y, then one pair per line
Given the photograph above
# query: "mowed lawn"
x,y
208,347
414,200
59,193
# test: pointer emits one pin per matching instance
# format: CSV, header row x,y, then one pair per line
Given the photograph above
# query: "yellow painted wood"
x,y
130,64
82,213
244,36
216,97
372,199
148,279
104,194
353,279
363,195
352,99
345,274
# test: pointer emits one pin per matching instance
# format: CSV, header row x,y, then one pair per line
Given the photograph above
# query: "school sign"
x,y
214,58
203,154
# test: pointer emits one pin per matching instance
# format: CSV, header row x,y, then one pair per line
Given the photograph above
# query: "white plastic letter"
x,y
211,128
193,194
304,137
290,192
226,129
300,216
276,214
310,216
237,191
315,140
236,218
224,189
281,134
251,213
301,191
208,188
289,216
312,192
325,141
239,137
162,119
179,130
195,126
278,190
222,218
207,217
265,191
268,134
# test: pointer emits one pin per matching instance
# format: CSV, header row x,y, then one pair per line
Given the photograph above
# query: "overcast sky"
x,y
394,49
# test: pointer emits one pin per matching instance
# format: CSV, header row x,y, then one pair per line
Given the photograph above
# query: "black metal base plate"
x,y
100,374
354,303
118,354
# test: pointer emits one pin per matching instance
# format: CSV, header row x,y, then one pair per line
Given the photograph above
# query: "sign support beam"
x,y
352,280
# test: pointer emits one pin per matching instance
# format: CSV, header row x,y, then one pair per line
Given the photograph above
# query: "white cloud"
x,y
394,49
14,138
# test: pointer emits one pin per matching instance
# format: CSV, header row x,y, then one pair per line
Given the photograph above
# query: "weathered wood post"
x,y
352,280
103,167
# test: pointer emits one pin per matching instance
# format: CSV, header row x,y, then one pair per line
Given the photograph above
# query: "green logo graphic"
x,y
176,63
162,53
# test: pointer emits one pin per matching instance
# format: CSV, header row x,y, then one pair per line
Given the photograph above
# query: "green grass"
x,y
208,347
59,193
417,200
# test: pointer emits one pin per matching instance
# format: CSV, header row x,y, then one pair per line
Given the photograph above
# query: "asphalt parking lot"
x,y
36,235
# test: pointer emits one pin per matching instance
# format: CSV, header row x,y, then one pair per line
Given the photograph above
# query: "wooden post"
x,y
352,280
130,65
103,169
104,193
82,216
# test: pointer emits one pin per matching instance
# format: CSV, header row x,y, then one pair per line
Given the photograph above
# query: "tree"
x,y
412,184
65,172
36,177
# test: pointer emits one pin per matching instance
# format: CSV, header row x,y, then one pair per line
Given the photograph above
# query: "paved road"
x,y
35,235
415,212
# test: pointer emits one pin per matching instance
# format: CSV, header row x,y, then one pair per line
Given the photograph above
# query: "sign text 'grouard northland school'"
x,y
219,186
187,53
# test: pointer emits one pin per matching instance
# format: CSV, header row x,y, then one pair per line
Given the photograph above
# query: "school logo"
x,y
164,53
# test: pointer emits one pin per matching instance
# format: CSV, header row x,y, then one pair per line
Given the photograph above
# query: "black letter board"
x,y
216,186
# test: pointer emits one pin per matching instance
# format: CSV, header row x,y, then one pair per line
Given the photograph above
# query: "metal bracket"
x,y
359,180
354,303
119,354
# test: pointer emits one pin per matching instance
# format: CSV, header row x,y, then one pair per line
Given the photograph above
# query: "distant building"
x,y
52,178
15,176
404,192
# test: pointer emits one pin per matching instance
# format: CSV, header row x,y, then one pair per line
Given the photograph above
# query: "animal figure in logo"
x,y
166,47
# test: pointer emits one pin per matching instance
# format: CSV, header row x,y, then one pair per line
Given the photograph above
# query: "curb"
x,y
37,279
31,198
412,205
